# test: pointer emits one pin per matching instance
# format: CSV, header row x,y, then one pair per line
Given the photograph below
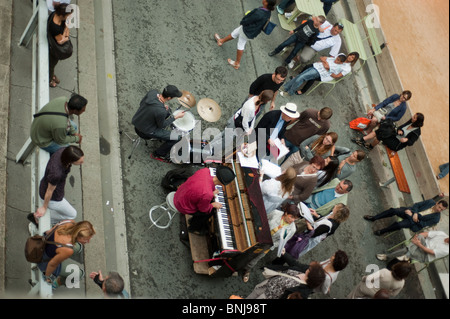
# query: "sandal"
x,y
246,276
56,80
233,64
53,84
217,38
297,92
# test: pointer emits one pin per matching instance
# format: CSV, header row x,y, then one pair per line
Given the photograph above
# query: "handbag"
x,y
59,51
268,27
35,246
359,124
298,243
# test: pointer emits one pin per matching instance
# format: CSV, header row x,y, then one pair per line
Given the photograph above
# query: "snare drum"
x,y
184,124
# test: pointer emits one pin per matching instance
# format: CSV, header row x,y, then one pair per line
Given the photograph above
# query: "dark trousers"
x,y
199,222
399,212
52,62
297,47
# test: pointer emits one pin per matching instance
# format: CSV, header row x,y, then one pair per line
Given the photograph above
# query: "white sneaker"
x,y
287,15
291,64
284,94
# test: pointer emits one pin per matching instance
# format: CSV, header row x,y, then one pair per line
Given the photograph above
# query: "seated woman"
x,y
351,60
306,179
322,146
281,223
276,190
407,134
347,164
325,70
394,107
328,172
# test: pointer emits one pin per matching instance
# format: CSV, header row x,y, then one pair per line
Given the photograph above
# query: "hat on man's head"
x,y
172,91
225,175
290,109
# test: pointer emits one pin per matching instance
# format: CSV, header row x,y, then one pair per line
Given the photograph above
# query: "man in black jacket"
x,y
273,125
153,116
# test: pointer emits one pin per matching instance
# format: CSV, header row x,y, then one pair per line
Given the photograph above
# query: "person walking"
x,y
250,27
51,187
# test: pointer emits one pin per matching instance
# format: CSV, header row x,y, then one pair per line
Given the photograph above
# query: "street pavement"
x,y
144,46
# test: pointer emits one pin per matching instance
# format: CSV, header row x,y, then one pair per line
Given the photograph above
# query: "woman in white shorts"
x,y
250,26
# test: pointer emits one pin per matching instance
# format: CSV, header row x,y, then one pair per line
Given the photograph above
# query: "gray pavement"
x,y
122,55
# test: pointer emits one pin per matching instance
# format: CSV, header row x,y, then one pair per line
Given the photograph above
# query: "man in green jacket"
x,y
52,128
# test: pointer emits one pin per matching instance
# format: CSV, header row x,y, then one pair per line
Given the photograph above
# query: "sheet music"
x,y
283,150
247,161
270,169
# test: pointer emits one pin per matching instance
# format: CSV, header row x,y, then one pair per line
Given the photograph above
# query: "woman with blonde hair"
x,y
323,146
67,238
276,190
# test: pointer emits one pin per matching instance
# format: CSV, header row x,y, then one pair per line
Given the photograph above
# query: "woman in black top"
x,y
60,32
406,135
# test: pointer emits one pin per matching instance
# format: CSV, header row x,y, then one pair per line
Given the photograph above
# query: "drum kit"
x,y
207,108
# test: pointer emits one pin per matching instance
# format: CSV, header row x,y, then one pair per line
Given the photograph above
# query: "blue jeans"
x,y
294,84
443,170
297,47
285,3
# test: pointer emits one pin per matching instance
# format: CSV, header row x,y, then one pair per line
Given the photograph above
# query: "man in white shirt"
x,y
330,38
327,69
424,247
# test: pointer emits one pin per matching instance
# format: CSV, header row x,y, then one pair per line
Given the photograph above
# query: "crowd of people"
x,y
305,204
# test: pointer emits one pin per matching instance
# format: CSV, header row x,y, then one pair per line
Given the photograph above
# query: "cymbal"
x,y
187,99
209,110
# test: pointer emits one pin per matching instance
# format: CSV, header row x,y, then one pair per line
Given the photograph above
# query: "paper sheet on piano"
x,y
247,161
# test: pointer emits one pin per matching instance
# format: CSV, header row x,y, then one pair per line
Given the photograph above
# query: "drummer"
x,y
154,116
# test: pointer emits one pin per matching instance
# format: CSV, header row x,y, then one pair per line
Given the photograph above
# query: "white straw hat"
x,y
290,109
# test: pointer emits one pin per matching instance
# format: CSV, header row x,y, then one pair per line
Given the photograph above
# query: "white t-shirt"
x,y
325,75
248,114
333,42
50,4
435,241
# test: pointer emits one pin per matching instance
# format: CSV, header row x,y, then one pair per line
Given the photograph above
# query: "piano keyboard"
x,y
226,235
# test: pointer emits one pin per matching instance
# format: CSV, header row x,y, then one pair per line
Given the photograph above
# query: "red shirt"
x,y
196,194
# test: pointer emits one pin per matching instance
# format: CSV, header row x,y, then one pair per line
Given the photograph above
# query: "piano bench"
x,y
165,211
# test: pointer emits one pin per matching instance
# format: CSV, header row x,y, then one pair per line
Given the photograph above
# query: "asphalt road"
x,y
172,43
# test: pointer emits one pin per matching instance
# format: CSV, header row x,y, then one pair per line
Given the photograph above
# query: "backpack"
x,y
35,246
174,178
386,129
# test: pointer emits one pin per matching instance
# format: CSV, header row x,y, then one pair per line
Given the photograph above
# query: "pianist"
x,y
196,196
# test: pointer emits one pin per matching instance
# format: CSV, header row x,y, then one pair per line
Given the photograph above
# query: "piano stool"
x,y
165,209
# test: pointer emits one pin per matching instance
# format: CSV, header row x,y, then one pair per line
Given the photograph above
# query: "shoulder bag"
x,y
35,246
59,51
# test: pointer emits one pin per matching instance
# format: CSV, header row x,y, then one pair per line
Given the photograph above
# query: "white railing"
x,y
36,31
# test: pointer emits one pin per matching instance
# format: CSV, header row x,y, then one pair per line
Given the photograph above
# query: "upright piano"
x,y
238,231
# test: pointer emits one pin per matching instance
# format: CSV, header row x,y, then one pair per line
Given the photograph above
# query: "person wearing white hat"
x,y
273,124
